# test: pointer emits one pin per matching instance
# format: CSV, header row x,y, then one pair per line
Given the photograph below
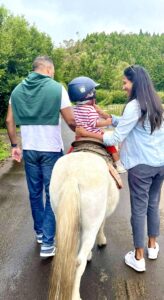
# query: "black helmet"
x,y
80,87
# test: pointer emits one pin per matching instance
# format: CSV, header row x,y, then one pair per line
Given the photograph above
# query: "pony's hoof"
x,y
102,242
89,256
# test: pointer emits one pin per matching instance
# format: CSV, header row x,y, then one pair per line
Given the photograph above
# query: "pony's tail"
x,y
65,262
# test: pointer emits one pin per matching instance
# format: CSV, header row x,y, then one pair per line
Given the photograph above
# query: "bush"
x,y
117,97
161,95
105,97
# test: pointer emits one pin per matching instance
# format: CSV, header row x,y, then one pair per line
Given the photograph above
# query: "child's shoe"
x,y
47,251
119,167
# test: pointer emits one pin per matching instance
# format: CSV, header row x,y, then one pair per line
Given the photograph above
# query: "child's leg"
x,y
113,151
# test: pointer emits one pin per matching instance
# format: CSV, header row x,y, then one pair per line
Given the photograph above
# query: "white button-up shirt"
x,y
138,145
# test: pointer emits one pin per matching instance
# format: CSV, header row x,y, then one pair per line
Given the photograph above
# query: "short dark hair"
x,y
41,61
143,90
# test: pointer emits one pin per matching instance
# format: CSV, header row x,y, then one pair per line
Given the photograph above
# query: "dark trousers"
x,y
145,184
38,167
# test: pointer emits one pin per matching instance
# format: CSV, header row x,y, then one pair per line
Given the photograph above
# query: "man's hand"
x,y
80,131
16,154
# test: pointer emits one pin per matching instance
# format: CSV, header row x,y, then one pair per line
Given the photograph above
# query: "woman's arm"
x,y
127,122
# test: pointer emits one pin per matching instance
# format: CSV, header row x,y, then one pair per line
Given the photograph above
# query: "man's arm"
x,y
11,129
81,132
68,116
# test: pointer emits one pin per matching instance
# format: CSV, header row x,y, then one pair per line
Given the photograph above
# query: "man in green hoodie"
x,y
35,105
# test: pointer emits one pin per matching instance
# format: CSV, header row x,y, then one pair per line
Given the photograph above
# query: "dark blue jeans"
x,y
38,168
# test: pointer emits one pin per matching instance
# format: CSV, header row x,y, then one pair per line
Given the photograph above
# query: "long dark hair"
x,y
143,90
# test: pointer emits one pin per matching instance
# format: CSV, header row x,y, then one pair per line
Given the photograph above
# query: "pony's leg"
x,y
101,238
87,245
89,256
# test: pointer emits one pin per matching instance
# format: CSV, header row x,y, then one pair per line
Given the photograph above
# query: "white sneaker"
x,y
119,167
131,261
153,252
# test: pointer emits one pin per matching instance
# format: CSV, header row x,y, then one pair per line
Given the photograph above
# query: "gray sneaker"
x,y
39,238
47,251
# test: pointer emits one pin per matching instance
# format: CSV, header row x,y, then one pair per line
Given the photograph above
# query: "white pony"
x,y
82,194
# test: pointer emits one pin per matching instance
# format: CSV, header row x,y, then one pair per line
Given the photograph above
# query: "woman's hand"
x,y
109,121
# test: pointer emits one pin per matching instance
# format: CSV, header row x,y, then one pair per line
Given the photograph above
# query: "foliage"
x,y
4,150
20,44
100,56
161,95
102,96
105,97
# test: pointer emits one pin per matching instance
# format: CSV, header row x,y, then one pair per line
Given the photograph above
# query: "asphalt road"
x,y
24,276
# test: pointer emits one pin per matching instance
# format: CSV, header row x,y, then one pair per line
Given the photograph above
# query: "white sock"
x,y
118,163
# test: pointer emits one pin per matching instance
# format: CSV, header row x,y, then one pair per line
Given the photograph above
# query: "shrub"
x,y
103,96
117,97
161,95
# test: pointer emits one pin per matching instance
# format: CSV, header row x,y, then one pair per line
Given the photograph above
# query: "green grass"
x,y
4,150
4,144
115,109
3,130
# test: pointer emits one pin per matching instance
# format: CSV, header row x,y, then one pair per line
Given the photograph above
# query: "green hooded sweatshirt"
x,y
37,101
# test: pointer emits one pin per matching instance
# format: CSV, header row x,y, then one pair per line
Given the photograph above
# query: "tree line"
x,y
100,56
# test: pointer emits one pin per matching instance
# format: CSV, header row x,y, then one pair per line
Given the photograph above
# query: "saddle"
x,y
95,146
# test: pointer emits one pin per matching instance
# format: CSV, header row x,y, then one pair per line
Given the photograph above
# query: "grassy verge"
x,y
115,109
4,150
4,145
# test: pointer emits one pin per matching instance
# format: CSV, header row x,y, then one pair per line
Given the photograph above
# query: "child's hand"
x,y
102,113
109,121
98,109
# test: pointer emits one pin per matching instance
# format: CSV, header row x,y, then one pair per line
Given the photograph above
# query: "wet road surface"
x,y
23,275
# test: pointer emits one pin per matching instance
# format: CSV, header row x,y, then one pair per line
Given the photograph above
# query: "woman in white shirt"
x,y
140,133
